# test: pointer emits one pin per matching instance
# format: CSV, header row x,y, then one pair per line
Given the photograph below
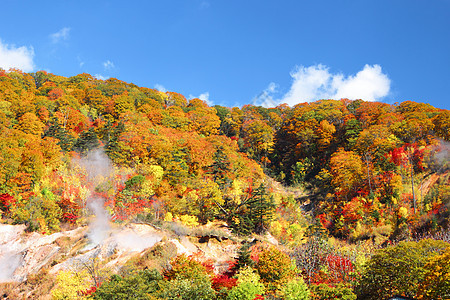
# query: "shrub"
x,y
436,282
188,279
248,285
398,269
324,292
295,289
71,285
184,267
136,286
187,220
185,289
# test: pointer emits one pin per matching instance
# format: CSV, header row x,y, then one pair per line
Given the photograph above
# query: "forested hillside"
x,y
327,179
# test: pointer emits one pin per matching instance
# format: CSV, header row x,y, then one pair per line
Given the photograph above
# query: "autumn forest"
x,y
355,193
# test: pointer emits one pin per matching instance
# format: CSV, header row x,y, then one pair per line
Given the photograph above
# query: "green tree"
x,y
253,213
87,141
244,258
295,289
220,168
141,285
248,285
65,140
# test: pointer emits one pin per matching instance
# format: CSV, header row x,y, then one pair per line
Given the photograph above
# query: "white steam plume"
x,y
99,227
134,241
98,168
9,262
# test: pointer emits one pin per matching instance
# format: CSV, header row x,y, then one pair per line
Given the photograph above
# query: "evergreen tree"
x,y
112,141
243,260
220,168
87,140
254,212
66,141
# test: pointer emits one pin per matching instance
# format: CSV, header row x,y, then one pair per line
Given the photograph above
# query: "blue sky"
x,y
233,53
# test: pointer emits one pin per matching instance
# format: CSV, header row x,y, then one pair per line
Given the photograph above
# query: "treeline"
x,y
364,163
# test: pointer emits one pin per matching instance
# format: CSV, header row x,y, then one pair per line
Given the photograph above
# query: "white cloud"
x,y
16,57
108,65
160,88
63,34
369,84
265,98
80,61
203,96
316,82
101,77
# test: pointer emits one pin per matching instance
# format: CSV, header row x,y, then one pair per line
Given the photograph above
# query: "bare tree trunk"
x,y
412,187
368,158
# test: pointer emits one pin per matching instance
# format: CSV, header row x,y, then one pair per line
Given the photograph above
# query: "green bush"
x,y
248,285
398,269
325,292
295,289
186,289
138,286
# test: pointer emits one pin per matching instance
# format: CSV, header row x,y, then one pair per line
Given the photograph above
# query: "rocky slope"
x,y
25,256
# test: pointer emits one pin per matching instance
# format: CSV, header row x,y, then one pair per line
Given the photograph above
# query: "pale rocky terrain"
x,y
22,253
26,258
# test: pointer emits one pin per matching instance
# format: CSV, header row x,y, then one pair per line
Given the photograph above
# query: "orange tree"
x,y
275,268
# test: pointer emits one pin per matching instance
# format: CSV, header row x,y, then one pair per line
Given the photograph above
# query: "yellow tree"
x,y
204,120
442,125
347,170
325,132
258,136
436,282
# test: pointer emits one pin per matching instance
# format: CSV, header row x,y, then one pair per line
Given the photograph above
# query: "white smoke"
x,y
98,168
99,227
134,241
97,164
442,156
9,262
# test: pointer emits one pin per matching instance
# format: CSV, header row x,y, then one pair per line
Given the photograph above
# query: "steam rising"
x,y
98,168
99,226
9,262
441,158
134,241
97,165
